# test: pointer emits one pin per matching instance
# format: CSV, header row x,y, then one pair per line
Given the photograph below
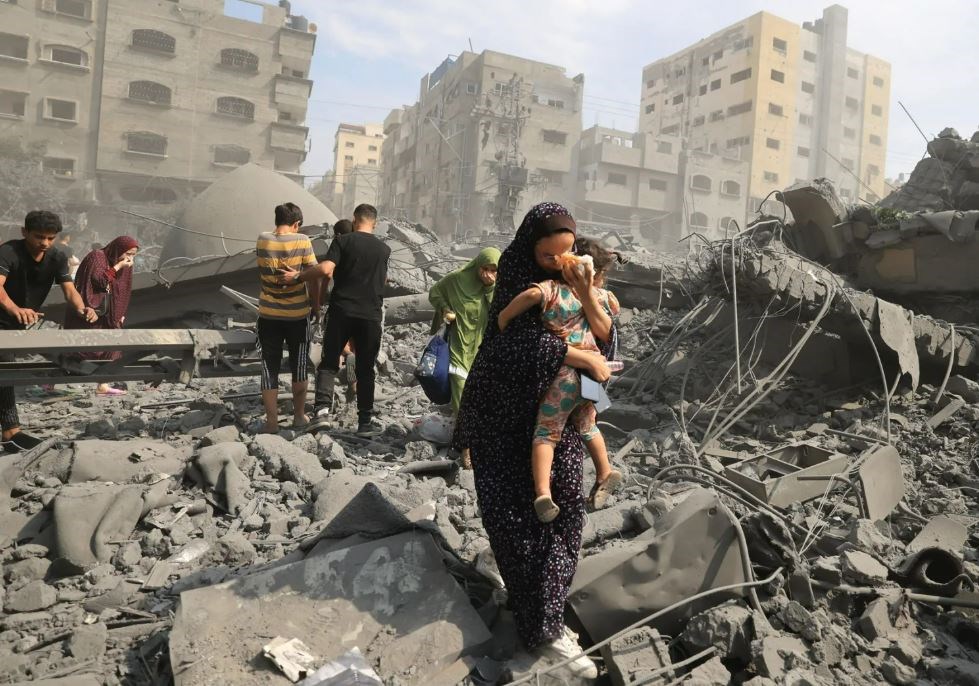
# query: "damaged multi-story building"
x,y
794,102
144,103
641,182
490,135
355,177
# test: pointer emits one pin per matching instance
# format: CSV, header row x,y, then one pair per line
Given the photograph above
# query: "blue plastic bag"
x,y
432,370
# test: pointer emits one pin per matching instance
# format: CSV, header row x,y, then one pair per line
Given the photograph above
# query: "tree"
x,y
24,185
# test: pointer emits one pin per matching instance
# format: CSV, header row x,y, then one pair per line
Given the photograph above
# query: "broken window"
x,y
13,46
805,119
348,144
852,73
372,162
658,185
731,188
873,169
699,120
700,182
803,152
703,89
64,54
80,9
808,56
699,219
12,103
472,88
775,109
875,139
62,110
728,224
677,99
717,115
779,45
715,84
773,143
650,83
149,91
738,142
739,109
879,82
705,61
808,87
771,177
348,158
664,147
742,75
616,179
849,133
877,110
554,136
852,103
146,143
718,55
743,43
670,130
236,58
59,166
372,148
231,154
650,108
235,107
156,41
778,76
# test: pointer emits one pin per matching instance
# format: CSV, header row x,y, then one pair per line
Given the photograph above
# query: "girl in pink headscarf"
x,y
105,282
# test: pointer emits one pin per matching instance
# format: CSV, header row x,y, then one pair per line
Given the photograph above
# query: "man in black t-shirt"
x,y
358,263
28,268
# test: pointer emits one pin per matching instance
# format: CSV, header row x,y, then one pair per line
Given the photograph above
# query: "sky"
x,y
371,54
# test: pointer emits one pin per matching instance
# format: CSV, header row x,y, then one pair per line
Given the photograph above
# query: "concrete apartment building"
x,y
794,102
490,135
356,167
650,186
146,102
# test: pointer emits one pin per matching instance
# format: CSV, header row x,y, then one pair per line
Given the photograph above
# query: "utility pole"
x,y
508,116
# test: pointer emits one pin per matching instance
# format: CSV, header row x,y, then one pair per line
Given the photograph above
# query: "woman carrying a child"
x,y
500,404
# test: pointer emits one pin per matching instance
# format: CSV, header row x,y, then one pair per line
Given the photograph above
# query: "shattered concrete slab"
x,y
392,598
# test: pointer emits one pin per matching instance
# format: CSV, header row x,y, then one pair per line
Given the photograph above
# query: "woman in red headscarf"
x,y
105,282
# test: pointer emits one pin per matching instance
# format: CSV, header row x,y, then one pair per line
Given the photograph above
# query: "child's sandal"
x,y
546,509
603,489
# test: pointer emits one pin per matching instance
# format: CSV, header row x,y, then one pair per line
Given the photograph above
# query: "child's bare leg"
x,y
598,452
541,459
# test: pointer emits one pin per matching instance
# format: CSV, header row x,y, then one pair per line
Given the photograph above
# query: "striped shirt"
x,y
275,252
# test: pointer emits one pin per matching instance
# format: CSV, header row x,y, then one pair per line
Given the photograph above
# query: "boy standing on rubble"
x,y
358,263
28,268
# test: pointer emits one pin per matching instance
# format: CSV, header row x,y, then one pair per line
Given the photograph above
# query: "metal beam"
x,y
147,355
61,341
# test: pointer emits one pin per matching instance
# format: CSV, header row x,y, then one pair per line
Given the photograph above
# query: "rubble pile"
x,y
947,179
801,482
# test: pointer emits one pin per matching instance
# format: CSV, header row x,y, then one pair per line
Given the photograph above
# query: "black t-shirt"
x,y
361,261
29,282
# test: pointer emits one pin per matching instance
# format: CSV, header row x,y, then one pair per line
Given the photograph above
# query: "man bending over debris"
x,y
28,268
358,263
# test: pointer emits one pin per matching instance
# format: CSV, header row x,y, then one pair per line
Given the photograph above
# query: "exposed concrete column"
x,y
829,89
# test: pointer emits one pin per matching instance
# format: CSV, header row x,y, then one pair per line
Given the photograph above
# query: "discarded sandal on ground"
x,y
603,489
546,509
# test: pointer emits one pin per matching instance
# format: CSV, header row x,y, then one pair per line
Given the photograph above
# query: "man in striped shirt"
x,y
284,312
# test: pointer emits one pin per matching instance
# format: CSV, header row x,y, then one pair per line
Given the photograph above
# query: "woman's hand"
x,y
126,261
598,368
580,280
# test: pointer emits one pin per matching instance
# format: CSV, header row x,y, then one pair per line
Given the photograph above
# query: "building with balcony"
x,y
490,135
653,188
147,102
355,147
794,102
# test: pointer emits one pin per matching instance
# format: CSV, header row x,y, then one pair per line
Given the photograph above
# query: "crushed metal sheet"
x,y
894,326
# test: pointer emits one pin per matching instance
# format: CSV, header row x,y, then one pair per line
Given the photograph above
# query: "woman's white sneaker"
x,y
565,647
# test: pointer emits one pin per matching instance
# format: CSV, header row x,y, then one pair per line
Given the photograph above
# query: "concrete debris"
x,y
829,462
